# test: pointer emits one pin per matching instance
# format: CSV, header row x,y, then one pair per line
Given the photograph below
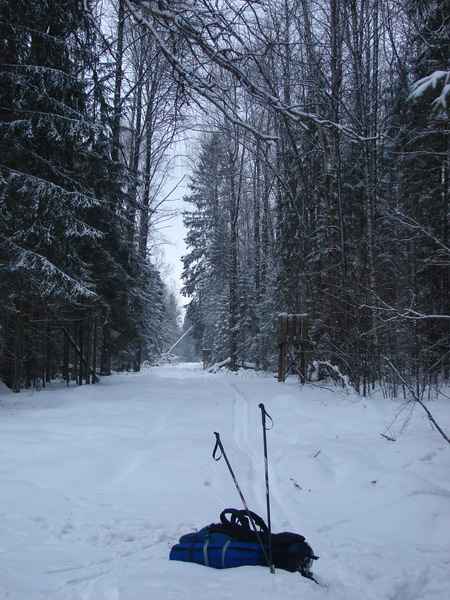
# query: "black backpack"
x,y
234,542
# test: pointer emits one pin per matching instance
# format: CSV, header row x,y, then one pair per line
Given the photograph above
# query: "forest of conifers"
x,y
318,146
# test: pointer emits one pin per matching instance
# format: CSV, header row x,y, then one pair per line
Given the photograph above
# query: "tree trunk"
x,y
105,352
117,101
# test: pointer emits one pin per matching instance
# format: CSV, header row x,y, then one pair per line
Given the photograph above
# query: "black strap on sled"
x,y
240,518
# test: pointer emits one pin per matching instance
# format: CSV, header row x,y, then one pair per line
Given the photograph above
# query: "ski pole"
x,y
219,446
264,414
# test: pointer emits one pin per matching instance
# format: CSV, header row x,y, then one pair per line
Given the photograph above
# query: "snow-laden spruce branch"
x,y
438,81
78,198
49,273
218,40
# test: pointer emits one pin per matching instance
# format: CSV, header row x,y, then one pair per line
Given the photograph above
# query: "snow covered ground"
x,y
98,482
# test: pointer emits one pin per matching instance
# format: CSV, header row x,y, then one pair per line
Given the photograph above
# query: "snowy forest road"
x,y
98,482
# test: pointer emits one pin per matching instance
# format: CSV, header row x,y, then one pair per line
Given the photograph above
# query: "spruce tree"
x,y
67,266
422,215
46,144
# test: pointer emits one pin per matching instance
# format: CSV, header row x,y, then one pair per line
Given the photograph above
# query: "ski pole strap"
x,y
265,414
239,518
218,446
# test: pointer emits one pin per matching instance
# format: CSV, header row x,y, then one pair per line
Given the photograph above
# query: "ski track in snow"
x,y
98,482
247,454
242,426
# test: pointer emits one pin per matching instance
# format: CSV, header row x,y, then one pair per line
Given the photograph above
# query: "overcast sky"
x,y
175,247
173,231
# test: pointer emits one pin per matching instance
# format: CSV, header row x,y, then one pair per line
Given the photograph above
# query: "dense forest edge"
x,y
319,166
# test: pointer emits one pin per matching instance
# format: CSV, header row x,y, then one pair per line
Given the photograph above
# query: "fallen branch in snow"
x,y
219,365
416,398
334,372
179,340
169,358
389,439
243,364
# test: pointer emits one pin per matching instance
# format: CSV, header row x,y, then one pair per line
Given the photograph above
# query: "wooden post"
x,y
281,362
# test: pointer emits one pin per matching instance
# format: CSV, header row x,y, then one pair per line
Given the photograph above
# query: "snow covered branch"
x,y
408,314
414,225
334,372
217,366
437,84
202,41
52,279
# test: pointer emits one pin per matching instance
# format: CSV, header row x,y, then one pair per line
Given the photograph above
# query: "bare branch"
x,y
416,398
215,40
